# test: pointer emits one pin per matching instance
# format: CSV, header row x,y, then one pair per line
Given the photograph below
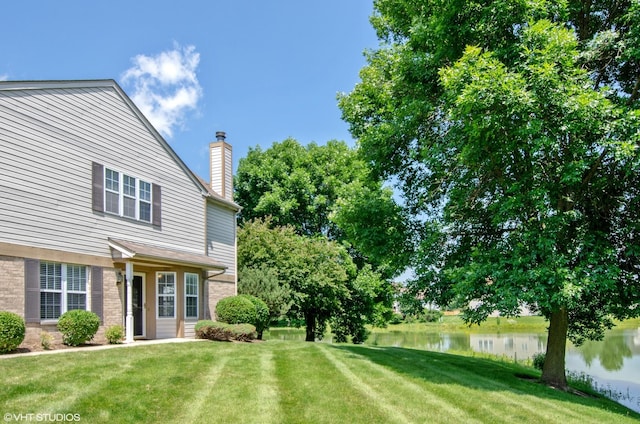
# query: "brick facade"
x,y
218,290
112,300
12,284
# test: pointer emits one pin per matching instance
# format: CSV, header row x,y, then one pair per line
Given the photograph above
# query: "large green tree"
x,y
314,270
325,190
296,185
512,129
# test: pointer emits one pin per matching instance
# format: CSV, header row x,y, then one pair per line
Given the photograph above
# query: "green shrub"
x,y
262,314
396,318
538,360
78,326
114,334
46,339
236,310
12,331
431,315
221,331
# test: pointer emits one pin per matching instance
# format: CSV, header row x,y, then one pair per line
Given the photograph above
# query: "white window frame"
x,y
164,295
187,276
64,290
110,190
136,197
141,201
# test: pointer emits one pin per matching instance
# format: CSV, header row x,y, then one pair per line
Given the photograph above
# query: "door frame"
x,y
143,276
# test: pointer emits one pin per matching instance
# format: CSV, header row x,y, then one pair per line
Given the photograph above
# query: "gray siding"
x,y
48,140
165,328
221,236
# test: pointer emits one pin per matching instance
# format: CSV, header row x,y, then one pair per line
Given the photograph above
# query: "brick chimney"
x,y
221,166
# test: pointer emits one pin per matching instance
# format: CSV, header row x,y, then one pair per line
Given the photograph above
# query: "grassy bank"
x,y
453,323
288,382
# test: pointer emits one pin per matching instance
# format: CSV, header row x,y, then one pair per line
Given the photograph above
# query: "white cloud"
x,y
4,77
165,86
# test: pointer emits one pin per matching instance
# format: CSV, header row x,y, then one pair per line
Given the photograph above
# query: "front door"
x,y
138,305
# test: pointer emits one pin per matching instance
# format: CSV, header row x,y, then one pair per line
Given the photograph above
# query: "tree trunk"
x,y
310,320
553,372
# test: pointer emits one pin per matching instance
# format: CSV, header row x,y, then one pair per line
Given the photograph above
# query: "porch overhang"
x,y
127,251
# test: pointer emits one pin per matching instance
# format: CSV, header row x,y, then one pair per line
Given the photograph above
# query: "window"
x,y
112,191
63,288
127,196
145,201
166,294
190,295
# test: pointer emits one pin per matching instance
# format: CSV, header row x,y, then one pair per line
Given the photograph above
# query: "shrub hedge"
x,y
236,310
12,331
114,334
78,326
538,360
262,314
221,331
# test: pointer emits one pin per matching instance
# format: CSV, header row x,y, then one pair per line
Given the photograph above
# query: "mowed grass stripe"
x,y
312,390
268,404
156,388
512,393
197,410
390,393
442,396
237,393
393,385
483,384
393,412
476,388
287,382
42,389
474,385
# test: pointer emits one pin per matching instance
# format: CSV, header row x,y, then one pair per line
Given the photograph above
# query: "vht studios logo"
x,y
9,417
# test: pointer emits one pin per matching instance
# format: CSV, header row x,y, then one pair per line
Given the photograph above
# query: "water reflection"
x,y
611,351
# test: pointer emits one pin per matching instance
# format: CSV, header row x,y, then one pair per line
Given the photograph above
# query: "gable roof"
x,y
215,197
110,83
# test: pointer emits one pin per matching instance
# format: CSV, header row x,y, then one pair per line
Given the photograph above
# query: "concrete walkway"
x,y
99,347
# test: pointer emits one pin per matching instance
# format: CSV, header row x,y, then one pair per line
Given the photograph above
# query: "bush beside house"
x,y
240,318
221,331
12,331
114,334
262,314
236,310
78,326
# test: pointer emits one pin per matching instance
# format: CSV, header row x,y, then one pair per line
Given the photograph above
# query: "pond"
x,y
612,364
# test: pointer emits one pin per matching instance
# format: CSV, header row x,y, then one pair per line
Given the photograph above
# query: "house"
x,y
98,212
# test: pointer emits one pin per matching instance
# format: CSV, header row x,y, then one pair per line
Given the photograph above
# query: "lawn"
x,y
454,323
524,324
287,382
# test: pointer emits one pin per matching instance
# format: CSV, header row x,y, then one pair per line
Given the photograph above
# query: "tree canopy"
x,y
325,190
321,280
512,130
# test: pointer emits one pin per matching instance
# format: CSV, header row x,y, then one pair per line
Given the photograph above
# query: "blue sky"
x,y
260,70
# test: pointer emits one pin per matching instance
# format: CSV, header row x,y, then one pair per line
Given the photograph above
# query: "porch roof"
x,y
124,250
